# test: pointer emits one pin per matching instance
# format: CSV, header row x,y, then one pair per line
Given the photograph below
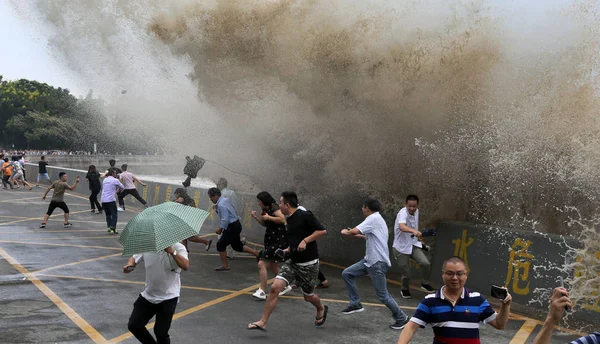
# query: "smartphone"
x,y
562,285
499,293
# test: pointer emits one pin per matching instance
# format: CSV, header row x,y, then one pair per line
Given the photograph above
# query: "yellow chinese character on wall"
x,y
591,303
247,215
460,247
518,267
197,197
156,192
145,193
168,193
211,211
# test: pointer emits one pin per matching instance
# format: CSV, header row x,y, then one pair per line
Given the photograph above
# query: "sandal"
x,y
321,321
208,245
221,268
255,326
323,285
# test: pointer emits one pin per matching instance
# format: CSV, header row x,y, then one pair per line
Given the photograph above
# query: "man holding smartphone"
x,y
455,310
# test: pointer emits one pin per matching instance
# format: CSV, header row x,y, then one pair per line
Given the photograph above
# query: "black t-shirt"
x,y
42,166
94,180
302,224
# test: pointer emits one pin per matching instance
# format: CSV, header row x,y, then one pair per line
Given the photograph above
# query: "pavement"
x,y
62,285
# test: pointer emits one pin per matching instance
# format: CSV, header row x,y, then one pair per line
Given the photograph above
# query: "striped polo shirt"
x,y
593,338
457,324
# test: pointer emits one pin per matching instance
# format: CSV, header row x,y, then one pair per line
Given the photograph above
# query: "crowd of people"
x,y
291,253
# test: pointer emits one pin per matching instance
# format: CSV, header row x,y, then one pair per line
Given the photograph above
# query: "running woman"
x,y
182,197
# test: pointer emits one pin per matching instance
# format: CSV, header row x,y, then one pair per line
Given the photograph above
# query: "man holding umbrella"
x,y
147,238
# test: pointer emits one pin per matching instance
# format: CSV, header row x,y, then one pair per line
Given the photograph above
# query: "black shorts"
x,y
231,236
53,205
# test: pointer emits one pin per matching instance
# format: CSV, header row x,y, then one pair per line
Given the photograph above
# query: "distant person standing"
x,y
230,194
42,171
112,163
110,186
407,245
57,201
230,228
182,197
128,179
375,263
93,178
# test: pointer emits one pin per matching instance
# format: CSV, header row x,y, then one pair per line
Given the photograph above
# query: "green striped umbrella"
x,y
161,226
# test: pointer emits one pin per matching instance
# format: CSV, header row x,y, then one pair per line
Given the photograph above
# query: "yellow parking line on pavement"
x,y
64,245
130,282
19,199
11,217
54,231
81,238
36,218
524,332
75,263
63,306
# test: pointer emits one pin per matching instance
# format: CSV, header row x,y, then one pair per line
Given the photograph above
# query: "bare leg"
x,y
223,256
272,299
249,250
262,274
66,218
199,239
46,217
316,301
275,267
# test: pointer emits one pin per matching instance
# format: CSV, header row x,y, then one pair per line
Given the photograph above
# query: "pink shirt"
x,y
127,179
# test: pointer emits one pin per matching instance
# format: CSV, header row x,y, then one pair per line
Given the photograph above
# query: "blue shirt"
x,y
593,338
226,212
454,324
110,186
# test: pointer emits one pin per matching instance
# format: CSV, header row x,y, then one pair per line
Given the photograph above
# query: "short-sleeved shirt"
x,y
404,241
376,231
16,167
94,180
302,224
110,185
454,324
593,338
162,274
7,166
42,166
59,188
127,180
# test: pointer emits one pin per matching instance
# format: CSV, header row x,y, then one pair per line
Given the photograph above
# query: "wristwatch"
x,y
174,253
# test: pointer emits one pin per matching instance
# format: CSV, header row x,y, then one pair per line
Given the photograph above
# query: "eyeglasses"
x,y
458,274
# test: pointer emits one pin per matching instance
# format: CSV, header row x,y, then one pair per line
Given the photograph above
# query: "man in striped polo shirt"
x,y
455,312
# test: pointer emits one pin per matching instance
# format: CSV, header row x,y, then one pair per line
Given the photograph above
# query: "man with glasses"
x,y
454,311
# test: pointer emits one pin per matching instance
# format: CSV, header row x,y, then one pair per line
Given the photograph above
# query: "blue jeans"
x,y
377,273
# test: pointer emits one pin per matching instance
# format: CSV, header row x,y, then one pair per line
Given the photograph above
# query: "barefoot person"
x,y
160,297
407,245
57,201
275,238
230,228
182,197
303,229
375,263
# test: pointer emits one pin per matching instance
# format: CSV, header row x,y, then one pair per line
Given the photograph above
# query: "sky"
x,y
25,52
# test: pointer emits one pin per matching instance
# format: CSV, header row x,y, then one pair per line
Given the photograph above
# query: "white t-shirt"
x,y
404,241
162,274
376,231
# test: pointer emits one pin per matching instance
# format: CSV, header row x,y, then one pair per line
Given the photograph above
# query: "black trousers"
x,y
143,311
94,200
112,216
321,276
132,192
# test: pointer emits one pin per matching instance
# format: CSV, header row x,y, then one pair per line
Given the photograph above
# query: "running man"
x,y
18,173
407,245
7,174
303,229
57,200
43,171
228,193
375,263
128,179
110,186
182,197
230,228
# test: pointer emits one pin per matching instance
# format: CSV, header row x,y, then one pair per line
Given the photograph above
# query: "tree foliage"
x,y
38,116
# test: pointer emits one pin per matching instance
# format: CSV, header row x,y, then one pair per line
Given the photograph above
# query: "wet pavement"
x,y
62,285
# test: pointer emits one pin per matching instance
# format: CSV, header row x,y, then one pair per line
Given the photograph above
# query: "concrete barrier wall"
x,y
528,264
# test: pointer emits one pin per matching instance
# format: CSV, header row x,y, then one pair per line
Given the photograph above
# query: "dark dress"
x,y
275,237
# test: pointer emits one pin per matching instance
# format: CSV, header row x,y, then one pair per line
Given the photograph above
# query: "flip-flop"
x,y
208,246
323,318
255,326
220,268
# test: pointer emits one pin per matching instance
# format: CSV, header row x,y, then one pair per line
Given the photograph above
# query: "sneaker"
x,y
405,294
93,210
285,291
68,225
114,231
109,230
427,288
260,294
399,324
43,225
98,211
353,309
120,209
